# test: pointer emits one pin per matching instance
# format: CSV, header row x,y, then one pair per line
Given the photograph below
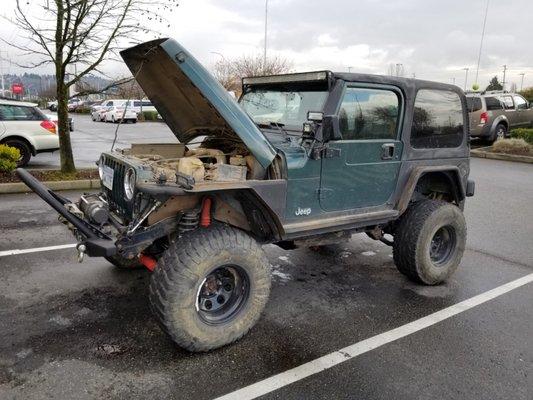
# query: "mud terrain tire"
x,y
180,283
429,241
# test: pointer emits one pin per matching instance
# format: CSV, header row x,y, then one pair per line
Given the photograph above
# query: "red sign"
x,y
17,88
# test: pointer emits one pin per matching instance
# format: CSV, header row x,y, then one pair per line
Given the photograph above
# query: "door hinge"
x,y
324,193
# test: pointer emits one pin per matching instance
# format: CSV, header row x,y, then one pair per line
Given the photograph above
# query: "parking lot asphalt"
x,y
84,331
90,139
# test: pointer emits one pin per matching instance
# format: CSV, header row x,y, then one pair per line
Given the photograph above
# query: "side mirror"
x,y
330,128
315,116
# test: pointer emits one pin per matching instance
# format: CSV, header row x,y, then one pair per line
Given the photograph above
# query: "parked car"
x,y
346,153
493,114
119,114
74,103
52,105
105,104
140,105
25,127
98,114
54,119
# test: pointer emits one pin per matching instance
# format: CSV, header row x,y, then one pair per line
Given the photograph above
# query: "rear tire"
x,y
210,287
429,241
500,132
23,147
124,263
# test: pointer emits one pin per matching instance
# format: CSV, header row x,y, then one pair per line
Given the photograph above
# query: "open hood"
x,y
190,100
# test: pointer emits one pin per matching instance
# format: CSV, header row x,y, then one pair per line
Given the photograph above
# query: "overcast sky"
x,y
432,39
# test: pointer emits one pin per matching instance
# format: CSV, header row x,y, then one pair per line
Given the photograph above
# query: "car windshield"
x,y
287,107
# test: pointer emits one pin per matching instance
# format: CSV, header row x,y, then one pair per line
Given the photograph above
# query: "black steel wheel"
x,y
222,294
442,245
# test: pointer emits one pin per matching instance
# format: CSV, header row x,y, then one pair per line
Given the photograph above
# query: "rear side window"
x,y
437,119
521,103
493,104
20,113
368,114
473,104
508,102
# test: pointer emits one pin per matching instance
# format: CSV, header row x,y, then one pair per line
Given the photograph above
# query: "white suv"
x,y
25,127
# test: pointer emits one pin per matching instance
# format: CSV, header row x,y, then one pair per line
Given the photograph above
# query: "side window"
x,y
508,102
437,119
473,104
368,114
493,104
19,113
520,102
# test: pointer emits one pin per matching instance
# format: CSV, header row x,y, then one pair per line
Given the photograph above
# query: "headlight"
x,y
101,166
129,183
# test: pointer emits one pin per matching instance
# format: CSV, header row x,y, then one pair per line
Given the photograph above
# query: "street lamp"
x,y
522,81
466,76
266,24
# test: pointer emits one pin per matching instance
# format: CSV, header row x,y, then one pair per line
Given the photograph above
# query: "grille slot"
x,y
115,196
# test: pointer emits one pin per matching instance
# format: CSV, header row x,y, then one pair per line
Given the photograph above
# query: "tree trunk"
x,y
65,147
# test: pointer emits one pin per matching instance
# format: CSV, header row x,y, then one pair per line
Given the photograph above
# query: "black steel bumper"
x,y
96,242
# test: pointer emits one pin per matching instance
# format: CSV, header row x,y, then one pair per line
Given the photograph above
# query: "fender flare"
x,y
418,172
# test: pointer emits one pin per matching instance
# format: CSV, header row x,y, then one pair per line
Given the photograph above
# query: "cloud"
x,y
432,39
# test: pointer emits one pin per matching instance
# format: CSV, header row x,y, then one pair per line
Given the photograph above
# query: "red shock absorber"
x,y
205,217
148,261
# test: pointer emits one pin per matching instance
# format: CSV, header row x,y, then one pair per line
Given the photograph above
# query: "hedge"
x,y
523,133
149,115
8,158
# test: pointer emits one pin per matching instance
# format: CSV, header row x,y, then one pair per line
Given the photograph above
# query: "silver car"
x,y
494,114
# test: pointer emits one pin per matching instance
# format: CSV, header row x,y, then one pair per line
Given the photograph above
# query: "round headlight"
x,y
129,183
101,166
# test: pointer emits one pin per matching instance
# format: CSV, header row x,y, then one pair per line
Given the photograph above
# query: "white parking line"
x,y
330,360
35,249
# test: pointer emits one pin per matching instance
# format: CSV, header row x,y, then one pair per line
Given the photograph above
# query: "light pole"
x,y
481,42
466,76
504,71
266,25
522,81
350,69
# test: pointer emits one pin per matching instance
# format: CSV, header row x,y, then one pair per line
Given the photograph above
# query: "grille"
x,y
115,197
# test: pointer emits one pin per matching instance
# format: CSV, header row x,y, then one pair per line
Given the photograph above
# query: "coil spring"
x,y
189,221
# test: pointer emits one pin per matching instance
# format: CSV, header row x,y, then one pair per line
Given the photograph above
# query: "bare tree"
x,y
76,36
230,71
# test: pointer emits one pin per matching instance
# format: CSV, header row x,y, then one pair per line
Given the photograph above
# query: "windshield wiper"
x,y
277,125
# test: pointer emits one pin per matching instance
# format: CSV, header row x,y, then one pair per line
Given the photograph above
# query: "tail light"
x,y
49,126
484,118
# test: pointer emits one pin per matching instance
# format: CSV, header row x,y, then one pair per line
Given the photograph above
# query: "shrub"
x,y
8,158
523,133
149,115
512,146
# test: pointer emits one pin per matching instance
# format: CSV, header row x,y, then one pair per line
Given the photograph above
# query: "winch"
x,y
95,208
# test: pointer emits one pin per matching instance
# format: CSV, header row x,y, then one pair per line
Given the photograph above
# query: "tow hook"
x,y
81,252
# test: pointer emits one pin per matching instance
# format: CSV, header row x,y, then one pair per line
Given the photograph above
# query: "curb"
x,y
19,187
479,153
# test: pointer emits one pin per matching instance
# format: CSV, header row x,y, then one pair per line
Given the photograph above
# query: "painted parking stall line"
x,y
35,249
330,360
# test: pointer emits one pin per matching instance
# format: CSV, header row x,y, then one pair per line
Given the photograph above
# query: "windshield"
x,y
287,107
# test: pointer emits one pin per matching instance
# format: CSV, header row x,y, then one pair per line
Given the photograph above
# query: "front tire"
x,y
210,287
429,241
23,148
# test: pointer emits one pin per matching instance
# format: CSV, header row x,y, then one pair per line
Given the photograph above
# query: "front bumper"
x,y
96,242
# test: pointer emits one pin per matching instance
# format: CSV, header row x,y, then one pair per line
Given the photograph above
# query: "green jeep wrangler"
x,y
303,159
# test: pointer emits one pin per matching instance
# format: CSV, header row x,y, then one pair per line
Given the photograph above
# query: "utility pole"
x,y
503,82
481,42
398,68
266,25
466,76
522,81
2,72
350,69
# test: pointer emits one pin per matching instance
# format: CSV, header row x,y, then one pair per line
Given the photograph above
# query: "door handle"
x,y
387,151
